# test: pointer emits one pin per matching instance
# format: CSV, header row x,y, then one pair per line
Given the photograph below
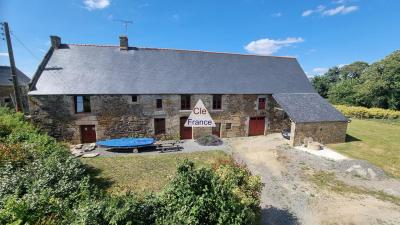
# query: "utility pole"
x,y
18,105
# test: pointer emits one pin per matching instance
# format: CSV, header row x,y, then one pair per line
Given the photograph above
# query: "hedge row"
x,y
368,113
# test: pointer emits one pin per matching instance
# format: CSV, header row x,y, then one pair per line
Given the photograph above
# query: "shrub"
x,y
202,196
368,113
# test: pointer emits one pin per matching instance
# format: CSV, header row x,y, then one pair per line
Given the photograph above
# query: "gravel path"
x,y
289,197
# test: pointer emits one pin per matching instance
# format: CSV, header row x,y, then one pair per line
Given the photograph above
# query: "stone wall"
x,y
7,91
322,132
117,116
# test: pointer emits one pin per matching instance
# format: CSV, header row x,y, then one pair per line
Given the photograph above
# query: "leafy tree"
x,y
321,84
333,74
343,92
380,84
353,70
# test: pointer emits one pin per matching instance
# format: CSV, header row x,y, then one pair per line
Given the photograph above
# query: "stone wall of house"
x,y
117,116
322,132
5,92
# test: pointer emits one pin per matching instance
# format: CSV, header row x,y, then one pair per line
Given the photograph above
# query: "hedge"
x,y
368,113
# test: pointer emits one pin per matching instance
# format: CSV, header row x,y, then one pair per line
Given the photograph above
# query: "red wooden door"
x,y
216,130
256,126
185,132
88,133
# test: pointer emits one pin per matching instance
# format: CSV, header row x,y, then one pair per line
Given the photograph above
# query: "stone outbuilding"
x,y
83,93
7,97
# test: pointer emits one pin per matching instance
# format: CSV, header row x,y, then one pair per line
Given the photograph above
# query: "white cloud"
x,y
268,46
278,14
340,10
319,9
322,10
307,12
319,70
96,4
3,54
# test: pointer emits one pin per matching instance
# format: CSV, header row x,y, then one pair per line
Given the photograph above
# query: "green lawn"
x,y
144,173
375,141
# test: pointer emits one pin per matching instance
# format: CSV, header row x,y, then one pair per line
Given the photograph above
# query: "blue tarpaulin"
x,y
126,142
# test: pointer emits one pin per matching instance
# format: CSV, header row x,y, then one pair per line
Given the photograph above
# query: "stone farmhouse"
x,y
83,93
6,87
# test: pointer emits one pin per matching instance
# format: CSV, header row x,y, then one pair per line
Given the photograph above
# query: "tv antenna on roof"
x,y
125,23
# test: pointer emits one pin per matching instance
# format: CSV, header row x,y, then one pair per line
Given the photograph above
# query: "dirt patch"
x,y
291,196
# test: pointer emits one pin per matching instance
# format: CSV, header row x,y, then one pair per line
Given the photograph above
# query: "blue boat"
x,y
126,142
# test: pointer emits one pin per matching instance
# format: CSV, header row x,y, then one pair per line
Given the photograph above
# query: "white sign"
x,y
199,117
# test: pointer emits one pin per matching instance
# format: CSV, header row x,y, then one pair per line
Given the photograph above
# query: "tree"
x,y
321,84
353,70
343,92
380,84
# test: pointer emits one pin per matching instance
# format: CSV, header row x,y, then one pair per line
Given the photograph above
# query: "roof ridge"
x,y
185,50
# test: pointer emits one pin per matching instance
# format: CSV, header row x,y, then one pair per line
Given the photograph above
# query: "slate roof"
x,y
6,80
308,107
93,69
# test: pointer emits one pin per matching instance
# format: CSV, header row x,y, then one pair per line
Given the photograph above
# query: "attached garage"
x,y
256,126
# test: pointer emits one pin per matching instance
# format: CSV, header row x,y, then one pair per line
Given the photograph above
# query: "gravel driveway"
x,y
291,196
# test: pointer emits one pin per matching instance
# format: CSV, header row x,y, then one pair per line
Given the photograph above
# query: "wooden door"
x,y
256,126
185,132
88,133
217,130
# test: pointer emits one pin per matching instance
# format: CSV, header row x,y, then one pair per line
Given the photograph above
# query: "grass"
x,y
144,173
328,181
376,141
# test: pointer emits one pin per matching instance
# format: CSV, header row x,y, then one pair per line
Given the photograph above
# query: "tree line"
x,y
363,84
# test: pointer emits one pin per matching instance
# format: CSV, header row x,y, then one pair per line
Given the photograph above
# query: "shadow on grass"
x,y
275,216
100,182
350,138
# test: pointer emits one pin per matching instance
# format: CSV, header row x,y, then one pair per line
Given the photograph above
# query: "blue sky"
x,y
321,34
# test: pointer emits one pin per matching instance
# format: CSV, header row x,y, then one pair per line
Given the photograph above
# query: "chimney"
x,y
123,43
55,42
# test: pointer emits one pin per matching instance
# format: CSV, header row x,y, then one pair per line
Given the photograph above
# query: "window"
x,y
82,104
159,103
217,99
159,126
134,98
185,102
228,126
7,100
261,103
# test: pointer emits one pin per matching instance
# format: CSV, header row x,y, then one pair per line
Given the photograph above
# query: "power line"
x,y
23,45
